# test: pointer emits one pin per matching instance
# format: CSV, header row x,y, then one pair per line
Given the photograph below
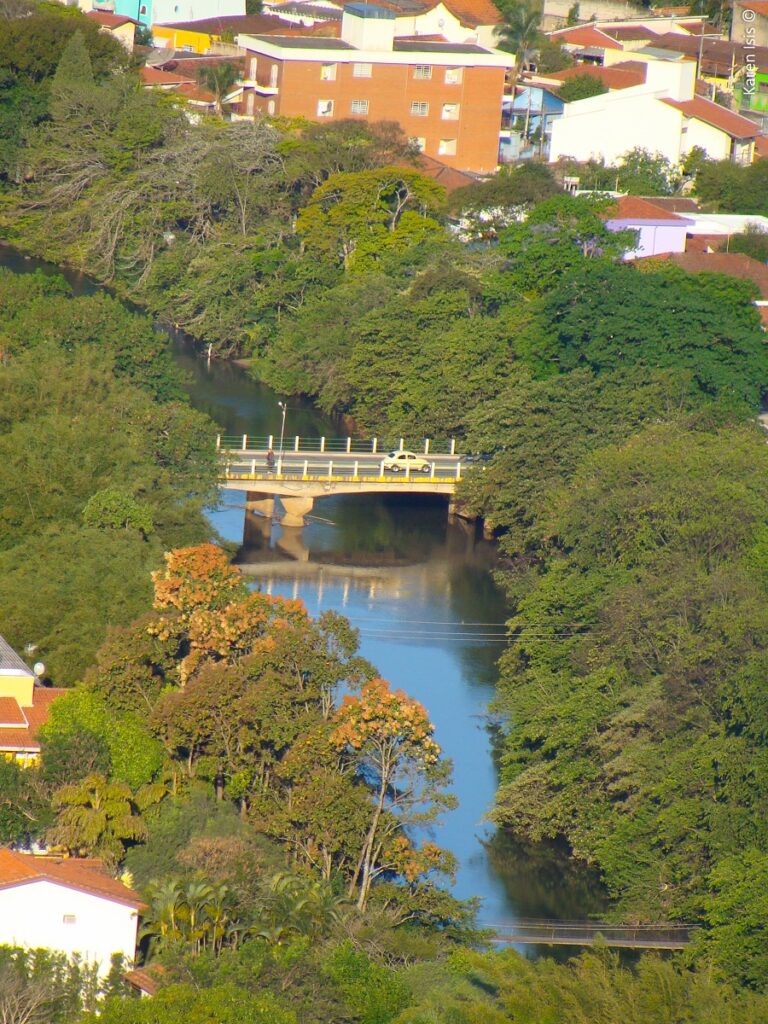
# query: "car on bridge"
x,y
399,461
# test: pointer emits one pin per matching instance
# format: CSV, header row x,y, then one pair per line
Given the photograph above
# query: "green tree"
x,y
219,78
115,510
99,818
718,341
354,219
185,1004
552,57
753,241
520,31
581,87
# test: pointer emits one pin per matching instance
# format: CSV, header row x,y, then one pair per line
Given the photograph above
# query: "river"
x,y
421,591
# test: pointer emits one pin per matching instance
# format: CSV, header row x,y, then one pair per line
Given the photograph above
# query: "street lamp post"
x,y
284,407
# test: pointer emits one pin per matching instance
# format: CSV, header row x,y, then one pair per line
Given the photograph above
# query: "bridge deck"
x,y
587,933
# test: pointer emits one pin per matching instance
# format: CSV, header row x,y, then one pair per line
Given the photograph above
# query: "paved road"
x,y
337,464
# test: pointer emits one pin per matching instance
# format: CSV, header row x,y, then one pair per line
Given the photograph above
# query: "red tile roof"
x,y
448,177
110,20
83,875
628,32
19,727
473,12
613,77
146,979
735,125
734,264
153,76
194,93
585,35
635,208
260,24
11,714
761,145
758,6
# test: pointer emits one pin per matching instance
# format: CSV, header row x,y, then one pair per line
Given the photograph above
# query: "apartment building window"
x,y
251,103
359,106
447,147
273,76
325,108
450,111
422,71
328,72
419,108
454,76
271,107
419,142
362,70
254,66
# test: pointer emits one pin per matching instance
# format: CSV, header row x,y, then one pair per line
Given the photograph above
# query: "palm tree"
x,y
220,79
96,817
520,32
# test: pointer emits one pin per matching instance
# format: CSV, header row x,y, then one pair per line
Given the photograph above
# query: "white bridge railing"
x,y
241,470
343,445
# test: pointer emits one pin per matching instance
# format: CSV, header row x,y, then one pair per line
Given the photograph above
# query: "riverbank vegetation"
x,y
625,475
104,468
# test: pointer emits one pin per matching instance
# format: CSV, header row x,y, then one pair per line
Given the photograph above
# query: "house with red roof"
x,y
67,905
663,115
24,707
119,26
659,230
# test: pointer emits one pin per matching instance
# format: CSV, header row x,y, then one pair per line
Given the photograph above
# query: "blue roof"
x,y
370,11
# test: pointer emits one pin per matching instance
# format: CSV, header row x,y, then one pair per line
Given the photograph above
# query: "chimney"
x,y
368,27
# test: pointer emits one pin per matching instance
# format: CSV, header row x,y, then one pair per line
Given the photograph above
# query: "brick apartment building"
x,y
446,95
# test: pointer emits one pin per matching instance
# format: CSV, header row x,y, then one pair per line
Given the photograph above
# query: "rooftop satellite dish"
x,y
39,669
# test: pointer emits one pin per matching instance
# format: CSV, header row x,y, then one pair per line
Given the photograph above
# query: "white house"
x,y
66,905
659,231
663,115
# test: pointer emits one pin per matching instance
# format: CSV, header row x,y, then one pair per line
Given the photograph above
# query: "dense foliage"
x,y
276,830
103,467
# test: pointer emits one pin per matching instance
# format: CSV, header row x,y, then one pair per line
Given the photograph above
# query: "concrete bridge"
x,y
317,468
588,933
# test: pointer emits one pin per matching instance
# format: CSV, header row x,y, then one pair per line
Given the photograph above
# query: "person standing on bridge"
x,y
270,459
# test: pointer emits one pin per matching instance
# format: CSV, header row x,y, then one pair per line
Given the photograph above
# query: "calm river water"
x,y
431,618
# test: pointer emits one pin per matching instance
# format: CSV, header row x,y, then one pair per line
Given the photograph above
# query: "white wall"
x,y
169,11
439,21
608,126
32,915
715,143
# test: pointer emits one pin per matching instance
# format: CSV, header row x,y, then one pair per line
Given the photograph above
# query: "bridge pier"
x,y
261,503
459,510
296,507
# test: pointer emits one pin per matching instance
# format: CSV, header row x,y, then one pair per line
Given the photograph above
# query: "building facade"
x,y
67,905
447,97
663,116
24,707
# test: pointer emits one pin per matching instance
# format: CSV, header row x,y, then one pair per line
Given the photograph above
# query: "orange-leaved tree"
x,y
387,737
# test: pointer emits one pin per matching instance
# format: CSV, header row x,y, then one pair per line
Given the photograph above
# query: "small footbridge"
x,y
589,933
309,468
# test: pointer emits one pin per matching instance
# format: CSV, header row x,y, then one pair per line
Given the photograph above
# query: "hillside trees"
x,y
79,374
645,618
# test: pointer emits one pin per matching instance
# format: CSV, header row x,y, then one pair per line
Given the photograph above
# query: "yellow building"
x,y
24,706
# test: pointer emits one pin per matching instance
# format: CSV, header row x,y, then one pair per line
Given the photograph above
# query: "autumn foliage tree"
x,y
241,688
387,738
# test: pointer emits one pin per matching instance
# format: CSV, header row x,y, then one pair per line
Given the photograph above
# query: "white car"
x,y
399,461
